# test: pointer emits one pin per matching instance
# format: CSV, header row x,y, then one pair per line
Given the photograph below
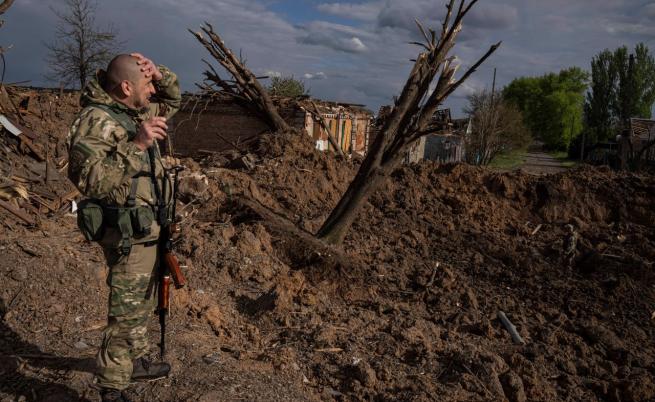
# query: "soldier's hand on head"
x,y
147,66
150,130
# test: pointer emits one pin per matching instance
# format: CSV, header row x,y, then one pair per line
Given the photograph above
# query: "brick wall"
x,y
199,127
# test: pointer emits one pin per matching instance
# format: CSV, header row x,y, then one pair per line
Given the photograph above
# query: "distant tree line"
x,y
563,109
551,105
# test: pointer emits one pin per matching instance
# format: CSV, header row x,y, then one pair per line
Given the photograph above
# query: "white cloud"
x,y
358,11
631,28
335,36
315,76
271,74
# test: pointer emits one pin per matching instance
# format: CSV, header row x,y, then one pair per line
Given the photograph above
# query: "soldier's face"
x,y
141,93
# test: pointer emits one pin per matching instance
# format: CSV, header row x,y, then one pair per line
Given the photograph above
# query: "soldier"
x,y
109,163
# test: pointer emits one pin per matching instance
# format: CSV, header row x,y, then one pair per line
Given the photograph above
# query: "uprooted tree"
x,y
408,121
244,88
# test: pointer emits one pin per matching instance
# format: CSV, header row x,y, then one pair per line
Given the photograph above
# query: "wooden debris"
x,y
25,135
537,229
12,190
510,328
329,350
96,326
17,212
326,128
245,87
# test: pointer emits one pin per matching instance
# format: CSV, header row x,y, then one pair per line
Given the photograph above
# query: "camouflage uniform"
x,y
102,162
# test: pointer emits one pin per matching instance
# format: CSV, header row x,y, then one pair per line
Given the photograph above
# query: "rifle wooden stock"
x,y
164,293
173,266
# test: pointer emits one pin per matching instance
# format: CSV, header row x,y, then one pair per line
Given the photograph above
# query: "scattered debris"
x,y
510,328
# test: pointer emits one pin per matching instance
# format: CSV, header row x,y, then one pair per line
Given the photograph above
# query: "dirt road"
x,y
539,162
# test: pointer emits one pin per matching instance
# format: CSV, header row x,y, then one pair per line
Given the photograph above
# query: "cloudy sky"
x,y
352,51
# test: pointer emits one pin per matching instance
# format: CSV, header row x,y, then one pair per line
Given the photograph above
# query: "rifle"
x,y
168,266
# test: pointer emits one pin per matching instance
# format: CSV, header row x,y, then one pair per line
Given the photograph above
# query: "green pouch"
x,y
142,218
90,219
120,218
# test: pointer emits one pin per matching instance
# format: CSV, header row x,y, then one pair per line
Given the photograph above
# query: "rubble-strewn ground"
x,y
437,252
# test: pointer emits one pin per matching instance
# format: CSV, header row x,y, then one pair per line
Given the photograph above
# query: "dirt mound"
x,y
437,252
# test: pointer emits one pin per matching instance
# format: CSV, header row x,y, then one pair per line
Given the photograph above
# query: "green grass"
x,y
509,161
563,158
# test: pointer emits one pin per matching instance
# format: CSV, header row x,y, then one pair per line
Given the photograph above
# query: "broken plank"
x,y
17,212
51,206
33,148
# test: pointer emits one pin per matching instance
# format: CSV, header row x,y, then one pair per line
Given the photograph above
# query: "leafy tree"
x,y
80,48
497,127
635,84
551,105
287,87
622,86
598,110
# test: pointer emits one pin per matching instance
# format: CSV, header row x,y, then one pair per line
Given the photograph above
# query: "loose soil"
x,y
404,311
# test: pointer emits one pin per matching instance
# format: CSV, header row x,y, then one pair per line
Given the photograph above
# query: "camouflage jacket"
x,y
102,159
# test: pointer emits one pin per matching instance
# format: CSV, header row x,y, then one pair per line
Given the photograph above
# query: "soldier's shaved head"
x,y
128,80
121,68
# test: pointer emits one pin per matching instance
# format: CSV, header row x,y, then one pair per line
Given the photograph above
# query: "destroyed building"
x,y
444,142
642,135
205,126
636,141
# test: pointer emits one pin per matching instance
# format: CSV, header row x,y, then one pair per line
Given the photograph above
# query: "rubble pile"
x,y
32,154
435,258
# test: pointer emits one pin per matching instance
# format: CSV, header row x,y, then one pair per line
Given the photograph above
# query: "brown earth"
x,y
408,315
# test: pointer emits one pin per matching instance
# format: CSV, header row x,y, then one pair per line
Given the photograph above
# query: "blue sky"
x,y
349,51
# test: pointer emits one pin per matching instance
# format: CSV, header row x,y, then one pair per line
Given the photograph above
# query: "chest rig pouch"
x,y
131,221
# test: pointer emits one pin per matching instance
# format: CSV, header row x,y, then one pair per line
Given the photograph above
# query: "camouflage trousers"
x,y
132,300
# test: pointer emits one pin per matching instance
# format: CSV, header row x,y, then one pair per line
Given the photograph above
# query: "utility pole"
x,y
493,85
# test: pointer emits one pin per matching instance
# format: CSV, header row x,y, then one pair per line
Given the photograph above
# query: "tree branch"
x,y
4,6
246,82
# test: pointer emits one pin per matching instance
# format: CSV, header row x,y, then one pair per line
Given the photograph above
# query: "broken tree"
x,y
408,120
245,87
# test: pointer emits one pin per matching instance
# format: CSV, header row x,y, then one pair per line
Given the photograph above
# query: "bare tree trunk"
x,y
245,87
4,6
368,178
408,120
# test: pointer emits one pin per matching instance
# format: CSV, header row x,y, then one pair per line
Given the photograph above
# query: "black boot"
x,y
113,395
145,370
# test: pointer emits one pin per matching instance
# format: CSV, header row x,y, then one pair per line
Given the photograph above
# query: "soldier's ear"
x,y
126,87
